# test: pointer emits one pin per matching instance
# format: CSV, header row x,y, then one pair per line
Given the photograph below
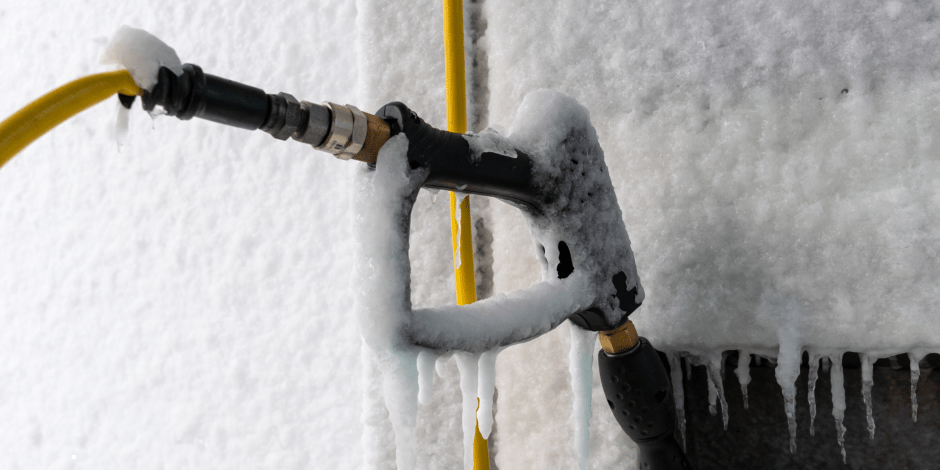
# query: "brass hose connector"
x,y
376,137
354,135
619,339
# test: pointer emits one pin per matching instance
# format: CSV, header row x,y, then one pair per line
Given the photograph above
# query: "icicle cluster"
x,y
787,371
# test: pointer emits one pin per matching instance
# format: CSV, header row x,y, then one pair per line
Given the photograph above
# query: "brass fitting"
x,y
619,339
377,136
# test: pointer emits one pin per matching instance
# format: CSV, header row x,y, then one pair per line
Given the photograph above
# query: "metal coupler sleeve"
x,y
640,396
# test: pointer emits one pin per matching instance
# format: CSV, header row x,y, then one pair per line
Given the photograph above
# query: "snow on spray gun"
x,y
551,168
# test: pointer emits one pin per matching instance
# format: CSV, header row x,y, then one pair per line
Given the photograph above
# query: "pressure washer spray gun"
x,y
559,181
551,168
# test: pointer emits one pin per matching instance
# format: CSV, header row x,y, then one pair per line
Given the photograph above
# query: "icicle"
x,y
743,371
121,125
486,386
688,369
915,377
580,362
811,394
715,375
826,363
838,399
426,363
468,365
867,382
678,392
441,362
400,387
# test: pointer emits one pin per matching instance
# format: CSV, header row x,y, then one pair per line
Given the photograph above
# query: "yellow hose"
x,y
40,116
454,73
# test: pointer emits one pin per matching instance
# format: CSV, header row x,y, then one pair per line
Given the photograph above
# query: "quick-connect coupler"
x,y
343,131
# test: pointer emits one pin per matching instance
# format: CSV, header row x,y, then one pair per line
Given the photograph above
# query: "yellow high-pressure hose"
x,y
40,116
457,122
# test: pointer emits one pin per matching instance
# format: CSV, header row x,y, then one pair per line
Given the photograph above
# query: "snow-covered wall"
x,y
186,302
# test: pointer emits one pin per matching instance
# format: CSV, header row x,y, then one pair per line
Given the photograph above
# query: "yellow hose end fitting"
x,y
619,339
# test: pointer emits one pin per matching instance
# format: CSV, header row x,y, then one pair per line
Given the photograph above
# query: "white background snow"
x,y
186,302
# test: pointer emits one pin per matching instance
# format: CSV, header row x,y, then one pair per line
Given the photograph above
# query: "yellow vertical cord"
x,y
460,229
51,109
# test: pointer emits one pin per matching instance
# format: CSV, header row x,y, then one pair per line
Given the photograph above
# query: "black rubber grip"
x,y
640,396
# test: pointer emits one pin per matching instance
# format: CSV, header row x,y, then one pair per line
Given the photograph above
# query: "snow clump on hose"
x,y
142,54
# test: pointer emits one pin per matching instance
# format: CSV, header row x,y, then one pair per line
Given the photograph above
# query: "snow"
x,y
142,54
186,302
488,141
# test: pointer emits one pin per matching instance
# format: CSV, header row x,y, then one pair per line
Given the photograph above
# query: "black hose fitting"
x,y
196,94
217,99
